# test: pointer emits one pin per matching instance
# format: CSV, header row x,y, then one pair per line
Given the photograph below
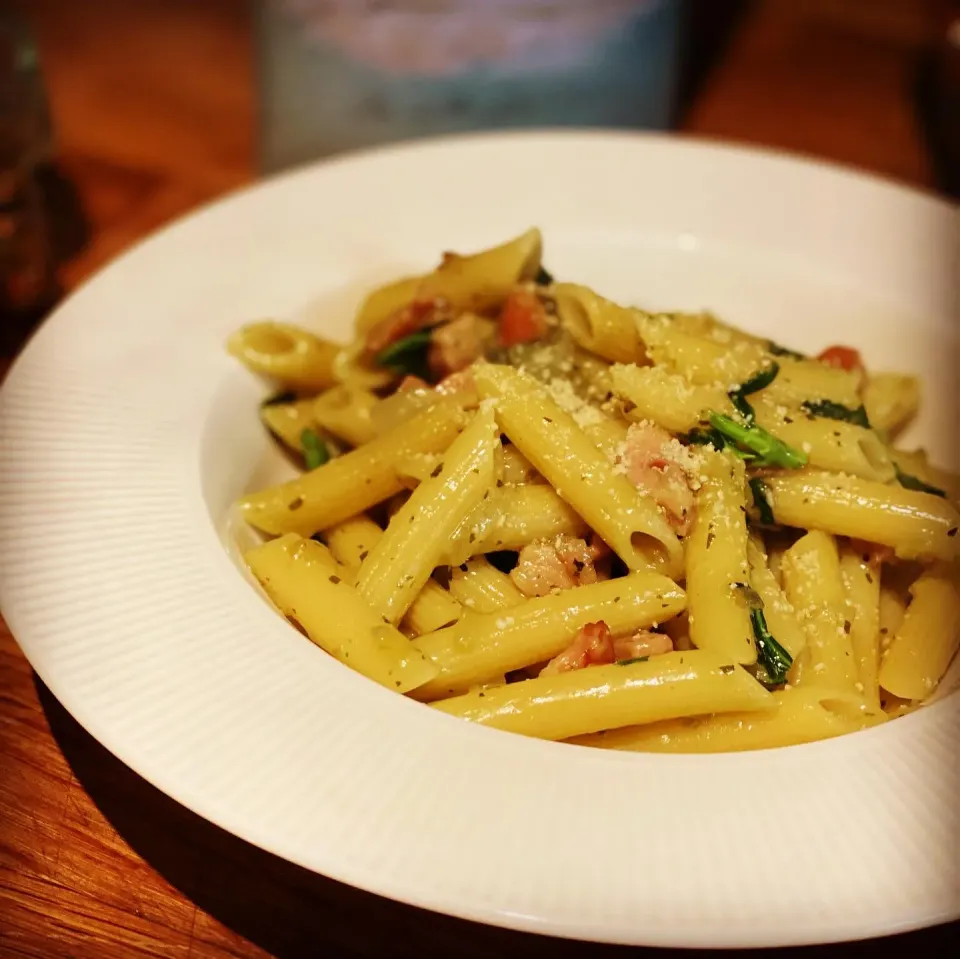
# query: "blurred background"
x,y
117,116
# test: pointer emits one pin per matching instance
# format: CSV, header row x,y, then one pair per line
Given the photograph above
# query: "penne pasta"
x,y
352,483
292,357
608,697
629,522
926,640
489,644
814,586
798,716
403,559
861,581
287,421
482,588
780,615
597,324
830,445
699,359
345,412
305,583
891,401
479,280
665,398
486,416
717,568
915,524
510,518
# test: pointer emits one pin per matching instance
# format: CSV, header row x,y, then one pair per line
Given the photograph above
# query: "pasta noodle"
x,y
607,697
542,511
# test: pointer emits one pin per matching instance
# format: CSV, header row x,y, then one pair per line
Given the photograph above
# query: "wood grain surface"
x,y
154,107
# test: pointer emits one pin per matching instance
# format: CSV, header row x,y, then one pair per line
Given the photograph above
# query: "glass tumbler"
x,y
342,74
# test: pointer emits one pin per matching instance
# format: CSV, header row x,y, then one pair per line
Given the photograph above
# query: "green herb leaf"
x,y
761,501
407,356
636,659
767,449
915,483
315,452
288,396
711,437
757,382
543,277
772,658
760,380
837,411
777,350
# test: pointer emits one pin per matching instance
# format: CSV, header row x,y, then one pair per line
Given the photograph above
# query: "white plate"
x,y
126,432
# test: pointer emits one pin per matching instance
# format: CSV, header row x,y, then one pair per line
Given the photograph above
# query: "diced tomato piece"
x,y
842,357
522,319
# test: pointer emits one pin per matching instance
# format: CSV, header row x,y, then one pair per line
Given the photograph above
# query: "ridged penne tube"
x,y
345,412
891,401
351,541
832,445
510,518
482,279
489,644
861,581
799,716
403,559
293,357
916,525
598,324
287,421
432,609
305,584
893,607
352,483
666,398
780,615
717,567
917,463
631,523
800,381
384,301
927,639
514,469
699,359
814,586
607,434
609,697
482,588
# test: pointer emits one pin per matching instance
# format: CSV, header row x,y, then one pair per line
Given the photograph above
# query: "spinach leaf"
x,y
765,448
837,411
315,451
915,483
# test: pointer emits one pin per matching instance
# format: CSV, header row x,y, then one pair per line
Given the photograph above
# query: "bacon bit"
x,y
457,344
408,319
561,563
842,357
411,384
650,459
592,646
523,319
873,553
642,643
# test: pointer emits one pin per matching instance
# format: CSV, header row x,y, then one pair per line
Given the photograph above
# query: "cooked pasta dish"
x,y
545,512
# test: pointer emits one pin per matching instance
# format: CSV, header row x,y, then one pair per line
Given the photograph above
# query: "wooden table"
x,y
95,863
